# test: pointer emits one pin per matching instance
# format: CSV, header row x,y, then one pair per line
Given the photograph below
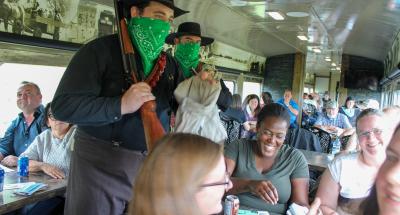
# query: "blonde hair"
x,y
172,175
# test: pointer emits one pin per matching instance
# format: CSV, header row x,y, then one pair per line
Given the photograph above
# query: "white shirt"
x,y
355,180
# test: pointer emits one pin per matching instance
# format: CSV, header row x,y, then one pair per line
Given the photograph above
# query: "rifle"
x,y
153,129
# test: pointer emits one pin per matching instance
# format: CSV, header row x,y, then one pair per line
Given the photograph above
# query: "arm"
x,y
328,192
10,161
239,185
293,109
7,141
348,131
299,191
53,171
77,99
263,189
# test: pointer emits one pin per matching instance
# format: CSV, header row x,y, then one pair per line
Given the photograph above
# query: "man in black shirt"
x,y
187,41
94,94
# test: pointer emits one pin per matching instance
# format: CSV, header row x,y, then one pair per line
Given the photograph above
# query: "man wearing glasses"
x,y
23,129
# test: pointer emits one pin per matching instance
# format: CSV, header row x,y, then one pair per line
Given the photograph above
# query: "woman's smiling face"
x,y
271,135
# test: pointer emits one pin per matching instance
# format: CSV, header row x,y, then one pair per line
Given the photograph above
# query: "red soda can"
x,y
231,205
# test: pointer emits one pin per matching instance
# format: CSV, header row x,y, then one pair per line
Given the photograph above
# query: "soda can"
x,y
231,205
2,175
23,166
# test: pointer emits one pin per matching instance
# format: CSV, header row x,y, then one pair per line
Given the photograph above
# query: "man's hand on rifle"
x,y
135,96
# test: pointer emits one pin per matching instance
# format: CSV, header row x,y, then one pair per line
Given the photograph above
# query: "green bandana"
x,y
148,35
187,55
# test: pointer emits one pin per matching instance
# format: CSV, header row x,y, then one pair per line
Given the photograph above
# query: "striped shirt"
x,y
48,149
340,121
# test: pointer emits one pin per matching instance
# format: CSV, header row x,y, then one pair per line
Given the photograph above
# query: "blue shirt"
x,y
18,136
292,115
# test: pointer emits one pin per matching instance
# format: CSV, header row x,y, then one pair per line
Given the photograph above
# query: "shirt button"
x,y
116,118
26,144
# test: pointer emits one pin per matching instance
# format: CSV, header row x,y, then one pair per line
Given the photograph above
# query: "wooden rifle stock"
x,y
153,130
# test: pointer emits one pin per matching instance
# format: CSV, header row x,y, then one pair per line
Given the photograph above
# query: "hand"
x,y
206,76
52,171
246,126
135,96
314,209
10,161
265,190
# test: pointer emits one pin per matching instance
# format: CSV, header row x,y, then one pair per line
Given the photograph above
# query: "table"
x,y
317,160
9,201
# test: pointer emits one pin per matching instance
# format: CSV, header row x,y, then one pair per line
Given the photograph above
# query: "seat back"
x,y
344,140
232,127
324,139
303,139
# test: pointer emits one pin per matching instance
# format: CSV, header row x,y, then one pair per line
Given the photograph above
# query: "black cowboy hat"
x,y
169,3
189,28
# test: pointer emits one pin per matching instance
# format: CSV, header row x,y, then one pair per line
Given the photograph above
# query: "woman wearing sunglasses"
x,y
184,174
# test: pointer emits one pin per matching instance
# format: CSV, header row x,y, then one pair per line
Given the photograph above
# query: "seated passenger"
x,y
349,178
309,112
334,122
25,127
392,119
50,152
268,175
291,106
251,107
266,97
235,111
184,174
233,118
385,196
350,110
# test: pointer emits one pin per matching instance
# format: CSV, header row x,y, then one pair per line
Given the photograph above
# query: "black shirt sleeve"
x,y
225,97
80,97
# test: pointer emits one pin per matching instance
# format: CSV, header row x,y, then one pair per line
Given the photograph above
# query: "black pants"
x,y
101,177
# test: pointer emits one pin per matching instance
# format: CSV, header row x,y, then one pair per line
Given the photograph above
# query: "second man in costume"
x,y
188,41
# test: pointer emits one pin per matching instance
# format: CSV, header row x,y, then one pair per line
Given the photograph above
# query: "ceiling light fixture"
x,y
317,50
297,14
328,59
333,64
275,15
302,37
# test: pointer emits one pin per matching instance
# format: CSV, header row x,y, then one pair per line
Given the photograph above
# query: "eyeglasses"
x,y
268,133
225,183
51,116
375,131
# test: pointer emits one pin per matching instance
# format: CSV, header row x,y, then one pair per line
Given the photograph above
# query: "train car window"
x,y
231,86
308,89
46,77
251,88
